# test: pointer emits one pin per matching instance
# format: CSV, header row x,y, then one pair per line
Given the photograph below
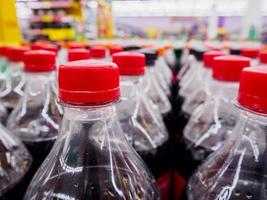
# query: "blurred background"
x,y
154,19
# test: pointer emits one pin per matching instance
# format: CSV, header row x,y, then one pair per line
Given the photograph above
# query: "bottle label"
x,y
164,184
180,185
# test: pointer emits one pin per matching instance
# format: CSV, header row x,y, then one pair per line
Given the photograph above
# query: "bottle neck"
x,y
37,82
131,79
222,89
15,65
89,113
252,116
129,85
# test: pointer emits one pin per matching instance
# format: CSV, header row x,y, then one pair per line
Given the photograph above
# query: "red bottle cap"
x,y
250,52
252,89
98,52
39,61
76,45
263,57
130,63
209,56
15,54
88,82
78,54
47,47
3,50
115,49
229,67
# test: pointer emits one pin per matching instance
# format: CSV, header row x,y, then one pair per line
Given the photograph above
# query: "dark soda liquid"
x,y
159,162
91,174
183,119
168,119
251,183
189,157
186,163
39,151
17,189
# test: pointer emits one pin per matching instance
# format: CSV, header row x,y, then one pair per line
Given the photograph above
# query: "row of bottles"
x,y
96,148
220,150
131,122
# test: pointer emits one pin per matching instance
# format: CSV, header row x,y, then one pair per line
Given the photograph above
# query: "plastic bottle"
x,y
145,131
213,121
15,162
37,116
13,79
238,169
91,158
78,54
163,72
151,85
199,95
189,84
98,52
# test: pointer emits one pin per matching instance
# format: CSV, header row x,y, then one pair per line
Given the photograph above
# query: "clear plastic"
x,y
37,117
145,130
192,79
151,86
199,95
238,169
164,75
187,70
12,85
209,126
92,159
15,162
62,57
140,121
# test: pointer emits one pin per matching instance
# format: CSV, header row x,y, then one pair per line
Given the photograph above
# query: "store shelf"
x,y
47,19
54,33
50,4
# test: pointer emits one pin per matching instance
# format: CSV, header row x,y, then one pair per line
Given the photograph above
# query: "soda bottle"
x,y
199,95
189,86
78,54
163,72
238,169
91,158
37,116
15,162
151,86
212,122
13,79
98,52
144,130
